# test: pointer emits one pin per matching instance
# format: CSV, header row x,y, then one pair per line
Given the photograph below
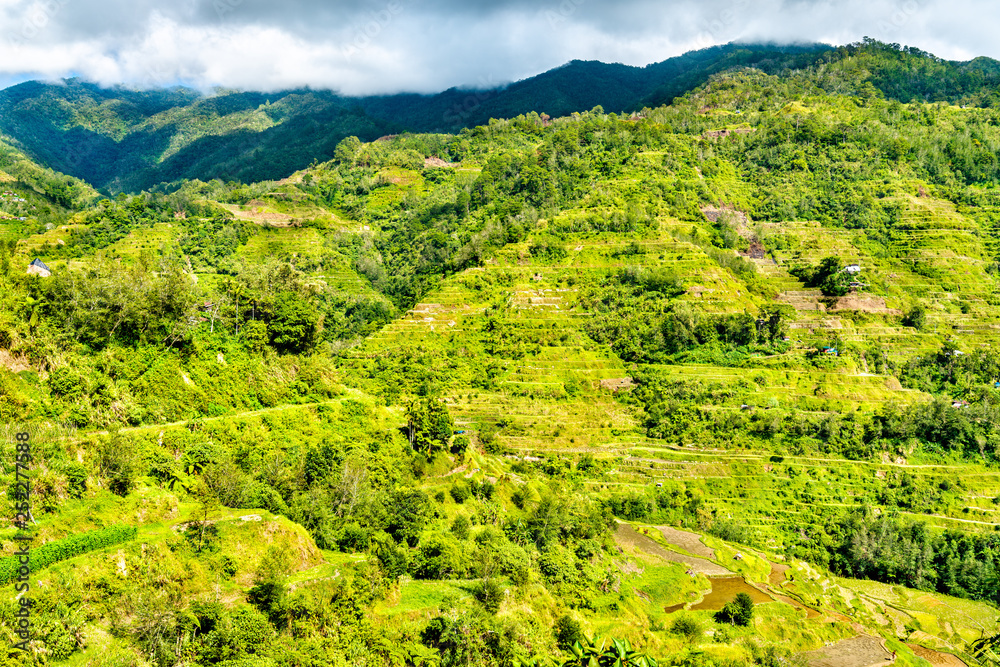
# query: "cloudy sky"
x,y
374,46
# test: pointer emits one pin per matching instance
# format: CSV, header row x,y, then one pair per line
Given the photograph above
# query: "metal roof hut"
x,y
38,268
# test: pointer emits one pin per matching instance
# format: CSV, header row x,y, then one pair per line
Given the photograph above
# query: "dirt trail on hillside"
x,y
627,535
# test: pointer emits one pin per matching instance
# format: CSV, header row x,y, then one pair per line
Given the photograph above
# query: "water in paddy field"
x,y
725,589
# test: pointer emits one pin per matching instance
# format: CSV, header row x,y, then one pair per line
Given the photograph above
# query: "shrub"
x,y
687,627
294,325
460,528
460,493
68,547
353,538
460,444
567,630
489,592
439,557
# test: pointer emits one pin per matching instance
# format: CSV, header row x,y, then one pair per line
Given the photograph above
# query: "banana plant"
x,y
620,653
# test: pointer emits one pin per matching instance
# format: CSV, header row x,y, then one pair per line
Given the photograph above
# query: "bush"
x,y
119,463
459,444
460,528
391,558
353,538
74,545
489,592
687,627
460,493
295,323
567,630
440,557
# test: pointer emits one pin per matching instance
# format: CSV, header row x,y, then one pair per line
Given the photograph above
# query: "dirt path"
x,y
627,535
861,651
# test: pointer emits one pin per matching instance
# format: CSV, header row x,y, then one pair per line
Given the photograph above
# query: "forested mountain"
x,y
126,140
717,380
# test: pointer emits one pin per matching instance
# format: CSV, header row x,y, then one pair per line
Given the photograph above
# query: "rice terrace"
x,y
693,364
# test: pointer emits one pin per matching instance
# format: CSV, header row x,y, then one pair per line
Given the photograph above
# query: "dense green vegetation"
x,y
396,408
125,140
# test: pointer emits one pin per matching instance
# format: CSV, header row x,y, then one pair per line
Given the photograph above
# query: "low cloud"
x,y
376,46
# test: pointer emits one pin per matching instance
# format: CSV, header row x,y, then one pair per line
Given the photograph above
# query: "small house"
x,y
853,268
960,404
38,268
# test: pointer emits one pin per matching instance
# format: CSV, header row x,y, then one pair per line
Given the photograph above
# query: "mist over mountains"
x,y
120,139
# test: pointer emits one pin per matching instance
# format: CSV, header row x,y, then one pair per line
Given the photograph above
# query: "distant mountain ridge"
x,y
126,140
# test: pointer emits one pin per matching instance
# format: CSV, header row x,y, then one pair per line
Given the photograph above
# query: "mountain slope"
x,y
122,140
592,375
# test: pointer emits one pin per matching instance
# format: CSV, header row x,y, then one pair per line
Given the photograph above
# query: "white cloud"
x,y
371,46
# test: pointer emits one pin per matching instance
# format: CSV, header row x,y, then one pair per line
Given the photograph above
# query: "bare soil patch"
x,y
437,162
617,384
255,212
722,134
15,363
690,542
865,304
627,535
937,657
861,651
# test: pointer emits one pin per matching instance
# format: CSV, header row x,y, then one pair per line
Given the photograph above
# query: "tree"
x,y
119,462
428,424
347,150
407,513
916,317
208,506
739,611
295,323
490,592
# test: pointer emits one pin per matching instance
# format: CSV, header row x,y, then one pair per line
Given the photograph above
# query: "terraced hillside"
x,y
596,374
